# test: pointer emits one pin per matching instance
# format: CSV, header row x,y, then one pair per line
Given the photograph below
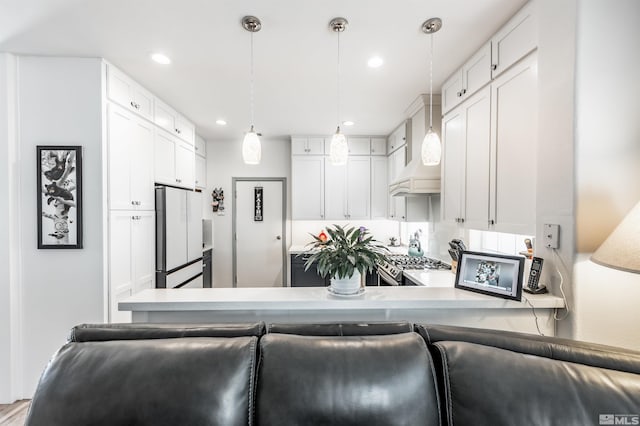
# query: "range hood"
x,y
416,179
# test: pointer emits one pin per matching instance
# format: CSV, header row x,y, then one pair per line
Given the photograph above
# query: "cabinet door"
x,y
126,92
307,187
513,140
452,165
201,172
476,72
378,146
477,111
335,186
144,101
452,92
359,188
141,163
515,40
200,146
143,250
120,261
397,138
359,146
379,188
164,158
299,146
165,117
399,203
185,130
185,165
120,143
316,146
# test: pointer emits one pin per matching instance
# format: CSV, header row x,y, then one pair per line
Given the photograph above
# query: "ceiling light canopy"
x,y
338,150
375,62
431,146
251,148
161,58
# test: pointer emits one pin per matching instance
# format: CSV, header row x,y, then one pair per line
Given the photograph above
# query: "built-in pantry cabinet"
x,y
147,142
489,135
307,187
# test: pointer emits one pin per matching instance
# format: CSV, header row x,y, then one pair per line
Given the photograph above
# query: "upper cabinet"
x,y
378,146
307,146
514,41
167,118
467,80
128,93
174,161
398,138
200,146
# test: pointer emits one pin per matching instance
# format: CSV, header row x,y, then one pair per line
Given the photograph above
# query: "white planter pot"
x,y
346,285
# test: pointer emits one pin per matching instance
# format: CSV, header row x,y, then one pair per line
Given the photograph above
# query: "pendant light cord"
x,y
431,84
251,83
338,82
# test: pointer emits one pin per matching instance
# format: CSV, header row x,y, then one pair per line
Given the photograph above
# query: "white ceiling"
x,y
295,54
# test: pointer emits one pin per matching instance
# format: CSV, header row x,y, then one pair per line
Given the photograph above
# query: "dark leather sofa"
x,y
332,374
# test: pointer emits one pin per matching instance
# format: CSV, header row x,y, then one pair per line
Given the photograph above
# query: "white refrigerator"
x,y
178,238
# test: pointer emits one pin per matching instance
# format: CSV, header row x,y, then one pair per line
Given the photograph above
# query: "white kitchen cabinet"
x,y
397,138
358,145
131,257
201,172
307,187
379,146
514,119
200,146
307,146
171,121
471,77
466,162
379,187
174,161
130,165
347,189
396,162
126,92
517,38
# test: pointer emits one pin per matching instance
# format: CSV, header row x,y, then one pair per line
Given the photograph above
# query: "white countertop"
x,y
431,278
318,298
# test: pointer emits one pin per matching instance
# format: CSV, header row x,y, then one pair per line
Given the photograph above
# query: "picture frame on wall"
x,y
59,196
491,274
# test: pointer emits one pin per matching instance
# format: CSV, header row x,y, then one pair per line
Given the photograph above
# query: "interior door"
x,y
259,244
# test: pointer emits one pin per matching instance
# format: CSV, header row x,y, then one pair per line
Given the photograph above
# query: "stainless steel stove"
x,y
391,271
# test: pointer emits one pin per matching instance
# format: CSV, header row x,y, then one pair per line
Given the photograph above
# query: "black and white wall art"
x,y
59,197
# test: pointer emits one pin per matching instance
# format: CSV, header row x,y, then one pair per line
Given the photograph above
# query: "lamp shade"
x,y
251,149
621,250
431,149
338,150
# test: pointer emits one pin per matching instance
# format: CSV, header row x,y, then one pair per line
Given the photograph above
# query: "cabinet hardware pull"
x,y
494,67
459,94
464,91
492,222
132,104
462,220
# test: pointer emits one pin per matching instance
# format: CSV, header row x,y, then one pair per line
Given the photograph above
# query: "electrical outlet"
x,y
551,236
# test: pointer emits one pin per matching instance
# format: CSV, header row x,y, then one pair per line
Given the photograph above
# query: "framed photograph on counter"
x,y
492,274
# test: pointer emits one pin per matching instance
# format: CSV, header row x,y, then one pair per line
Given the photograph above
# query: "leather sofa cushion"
x,y
104,332
188,381
494,387
550,347
343,329
364,380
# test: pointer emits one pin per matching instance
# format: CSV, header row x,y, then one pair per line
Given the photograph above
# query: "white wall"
x,y
224,161
59,103
9,255
554,175
607,165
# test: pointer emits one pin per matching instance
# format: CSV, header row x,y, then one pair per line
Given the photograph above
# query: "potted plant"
x,y
344,256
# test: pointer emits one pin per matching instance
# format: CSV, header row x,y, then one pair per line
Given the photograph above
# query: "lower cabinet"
x,y
131,257
310,278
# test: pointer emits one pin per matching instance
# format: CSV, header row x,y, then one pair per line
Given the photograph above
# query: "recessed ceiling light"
x,y
221,122
161,59
348,123
375,62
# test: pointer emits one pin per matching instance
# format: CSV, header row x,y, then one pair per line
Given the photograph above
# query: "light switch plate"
x,y
551,236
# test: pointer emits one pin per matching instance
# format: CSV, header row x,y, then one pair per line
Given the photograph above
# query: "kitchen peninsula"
x,y
435,305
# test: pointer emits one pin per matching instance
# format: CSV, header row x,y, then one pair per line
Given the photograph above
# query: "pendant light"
x,y
431,146
251,149
338,150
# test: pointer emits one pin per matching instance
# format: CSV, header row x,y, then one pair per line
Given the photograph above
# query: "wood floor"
x,y
14,414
